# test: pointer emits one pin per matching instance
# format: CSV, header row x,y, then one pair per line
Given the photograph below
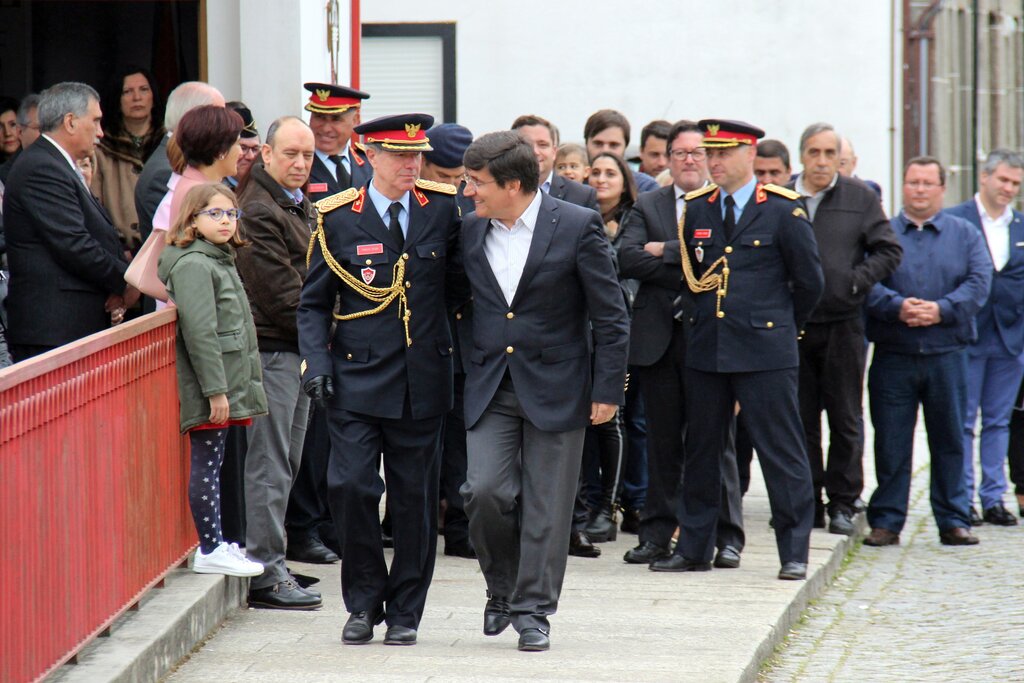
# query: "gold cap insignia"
x,y
323,94
412,129
713,129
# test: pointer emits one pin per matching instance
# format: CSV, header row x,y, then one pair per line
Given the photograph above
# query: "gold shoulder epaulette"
x,y
710,187
443,188
360,146
783,191
337,200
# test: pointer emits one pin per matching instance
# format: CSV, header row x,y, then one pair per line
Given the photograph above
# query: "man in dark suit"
x,y
752,279
994,368
67,270
339,163
650,253
543,285
384,253
543,137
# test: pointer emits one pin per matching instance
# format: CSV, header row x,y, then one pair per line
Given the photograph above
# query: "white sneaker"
x,y
224,560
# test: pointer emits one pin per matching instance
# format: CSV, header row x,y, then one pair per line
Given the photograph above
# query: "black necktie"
x,y
394,227
730,217
344,177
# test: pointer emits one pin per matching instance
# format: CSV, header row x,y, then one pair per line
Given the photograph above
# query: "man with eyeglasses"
x,y
249,140
858,248
340,163
921,317
657,354
387,254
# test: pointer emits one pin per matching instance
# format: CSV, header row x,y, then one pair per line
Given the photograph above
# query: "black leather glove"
x,y
320,389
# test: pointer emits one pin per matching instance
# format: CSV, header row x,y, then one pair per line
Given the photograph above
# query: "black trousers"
x,y
744,453
1015,452
308,515
411,456
832,357
769,403
453,469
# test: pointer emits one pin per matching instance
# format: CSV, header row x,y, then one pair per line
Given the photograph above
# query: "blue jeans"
x,y
897,384
992,383
634,470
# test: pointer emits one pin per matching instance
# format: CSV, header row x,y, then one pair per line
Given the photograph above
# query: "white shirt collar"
x,y
802,189
64,153
1005,218
527,220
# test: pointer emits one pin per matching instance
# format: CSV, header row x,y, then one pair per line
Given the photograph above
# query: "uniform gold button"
x,y
728,250
509,349
757,243
405,257
721,314
450,349
348,356
369,261
510,315
458,316
433,254
408,284
770,325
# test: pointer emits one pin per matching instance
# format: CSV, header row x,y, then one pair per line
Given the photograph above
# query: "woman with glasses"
x,y
132,129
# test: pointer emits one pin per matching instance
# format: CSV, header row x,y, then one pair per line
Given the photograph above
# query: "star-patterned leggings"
x,y
204,485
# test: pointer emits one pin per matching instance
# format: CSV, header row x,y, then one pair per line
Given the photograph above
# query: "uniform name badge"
x,y
699,253
368,274
318,187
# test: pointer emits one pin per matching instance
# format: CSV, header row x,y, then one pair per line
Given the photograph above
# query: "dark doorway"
x,y
48,41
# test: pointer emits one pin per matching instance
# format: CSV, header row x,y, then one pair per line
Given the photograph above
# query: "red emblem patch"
x,y
368,274
366,249
318,187
704,234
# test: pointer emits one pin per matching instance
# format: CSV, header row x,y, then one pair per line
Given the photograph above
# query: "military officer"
x,y
339,163
751,279
384,251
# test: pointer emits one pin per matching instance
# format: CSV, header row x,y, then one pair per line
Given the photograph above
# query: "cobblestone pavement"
x,y
919,611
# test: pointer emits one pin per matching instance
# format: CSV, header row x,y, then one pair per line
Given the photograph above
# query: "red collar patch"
x,y
713,196
358,159
420,197
357,205
761,194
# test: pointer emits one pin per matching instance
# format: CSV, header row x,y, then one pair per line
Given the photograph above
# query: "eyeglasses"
x,y
698,154
476,183
250,151
217,214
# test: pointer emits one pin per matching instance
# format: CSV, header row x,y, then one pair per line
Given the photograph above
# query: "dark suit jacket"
x,y
573,192
461,316
1001,320
367,357
63,250
653,219
152,187
775,280
568,284
320,176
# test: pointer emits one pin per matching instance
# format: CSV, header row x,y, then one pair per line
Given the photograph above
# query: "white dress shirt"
x,y
997,233
67,157
507,248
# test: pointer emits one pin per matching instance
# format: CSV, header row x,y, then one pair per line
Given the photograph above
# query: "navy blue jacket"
x,y
775,281
568,285
1000,321
319,176
573,192
945,262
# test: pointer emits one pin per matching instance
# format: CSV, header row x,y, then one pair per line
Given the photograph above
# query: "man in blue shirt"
x,y
920,318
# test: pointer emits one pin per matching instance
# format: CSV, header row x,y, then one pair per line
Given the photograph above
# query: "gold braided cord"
x,y
719,282
382,296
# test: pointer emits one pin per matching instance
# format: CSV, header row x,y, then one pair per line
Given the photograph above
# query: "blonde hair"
x,y
184,232
569,149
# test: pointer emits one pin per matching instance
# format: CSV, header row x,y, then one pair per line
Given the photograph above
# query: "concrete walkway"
x,y
615,622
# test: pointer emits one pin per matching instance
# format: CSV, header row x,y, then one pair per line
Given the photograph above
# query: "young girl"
x,y
219,378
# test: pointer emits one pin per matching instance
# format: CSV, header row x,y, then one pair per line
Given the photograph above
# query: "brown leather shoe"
x,y
880,537
958,536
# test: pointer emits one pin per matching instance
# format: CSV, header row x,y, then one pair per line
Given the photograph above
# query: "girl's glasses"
x,y
217,214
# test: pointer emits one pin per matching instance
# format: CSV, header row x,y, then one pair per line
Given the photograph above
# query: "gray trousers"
x,y
272,462
519,493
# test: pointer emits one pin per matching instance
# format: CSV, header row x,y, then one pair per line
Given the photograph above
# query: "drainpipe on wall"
x,y
919,73
975,24
355,42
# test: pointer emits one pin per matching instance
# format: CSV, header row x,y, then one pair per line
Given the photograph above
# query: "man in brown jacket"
x,y
276,219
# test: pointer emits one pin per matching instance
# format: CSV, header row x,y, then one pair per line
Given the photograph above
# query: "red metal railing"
x,y
93,484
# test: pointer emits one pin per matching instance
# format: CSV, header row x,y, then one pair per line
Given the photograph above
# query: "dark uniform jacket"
x,y
774,281
568,286
273,266
322,182
573,192
653,219
370,357
64,253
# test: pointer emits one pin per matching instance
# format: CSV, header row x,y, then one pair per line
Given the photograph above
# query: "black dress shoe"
x,y
580,545
999,515
284,595
604,526
630,521
304,580
976,519
793,571
841,522
459,549
400,635
359,627
311,550
497,616
645,553
727,558
534,640
678,563
958,536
